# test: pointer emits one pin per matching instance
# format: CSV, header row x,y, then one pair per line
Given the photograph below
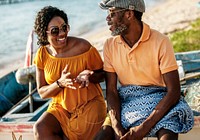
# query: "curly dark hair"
x,y
42,20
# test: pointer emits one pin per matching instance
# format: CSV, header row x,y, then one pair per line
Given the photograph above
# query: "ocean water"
x,y
16,21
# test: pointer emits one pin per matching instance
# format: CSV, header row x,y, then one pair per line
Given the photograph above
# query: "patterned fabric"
x,y
137,102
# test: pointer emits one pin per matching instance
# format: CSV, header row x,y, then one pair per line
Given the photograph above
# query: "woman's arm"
x,y
49,90
45,90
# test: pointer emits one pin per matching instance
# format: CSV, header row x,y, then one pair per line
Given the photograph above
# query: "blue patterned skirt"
x,y
137,103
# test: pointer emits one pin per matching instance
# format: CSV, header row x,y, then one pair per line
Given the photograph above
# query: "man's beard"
x,y
119,30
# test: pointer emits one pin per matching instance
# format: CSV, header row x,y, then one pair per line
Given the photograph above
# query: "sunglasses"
x,y
111,13
56,30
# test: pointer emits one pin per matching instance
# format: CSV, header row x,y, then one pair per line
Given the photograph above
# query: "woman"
x,y
69,70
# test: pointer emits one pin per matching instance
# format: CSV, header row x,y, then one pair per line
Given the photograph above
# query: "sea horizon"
x,y
18,20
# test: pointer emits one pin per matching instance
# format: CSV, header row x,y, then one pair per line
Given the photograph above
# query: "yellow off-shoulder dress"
x,y
81,112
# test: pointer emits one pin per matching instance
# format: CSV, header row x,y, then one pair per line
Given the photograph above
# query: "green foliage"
x,y
187,40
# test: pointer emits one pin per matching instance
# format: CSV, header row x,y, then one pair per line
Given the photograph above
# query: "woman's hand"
x,y
65,80
83,78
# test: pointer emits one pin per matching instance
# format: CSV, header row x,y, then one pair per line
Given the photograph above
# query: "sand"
x,y
173,15
166,17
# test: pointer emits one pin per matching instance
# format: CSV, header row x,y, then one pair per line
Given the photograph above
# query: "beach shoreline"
x,y
166,17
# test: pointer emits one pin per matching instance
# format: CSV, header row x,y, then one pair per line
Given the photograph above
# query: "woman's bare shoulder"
x,y
81,43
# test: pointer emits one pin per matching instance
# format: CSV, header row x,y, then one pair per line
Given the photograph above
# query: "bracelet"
x,y
59,84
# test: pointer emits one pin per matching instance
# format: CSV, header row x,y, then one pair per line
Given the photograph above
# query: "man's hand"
x,y
116,125
83,78
134,133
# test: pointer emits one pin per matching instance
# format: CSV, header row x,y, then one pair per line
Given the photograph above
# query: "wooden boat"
x,y
189,71
10,92
190,85
18,122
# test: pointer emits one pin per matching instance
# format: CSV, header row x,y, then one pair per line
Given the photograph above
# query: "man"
x,y
148,102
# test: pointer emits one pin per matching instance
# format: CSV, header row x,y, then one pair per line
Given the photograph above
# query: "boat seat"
x,y
24,75
36,97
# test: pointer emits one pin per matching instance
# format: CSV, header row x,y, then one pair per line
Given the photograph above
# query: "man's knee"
x,y
164,134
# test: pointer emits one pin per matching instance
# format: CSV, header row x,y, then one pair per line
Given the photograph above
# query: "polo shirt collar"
x,y
145,35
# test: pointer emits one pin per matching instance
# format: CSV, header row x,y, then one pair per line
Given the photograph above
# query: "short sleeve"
x,y
167,57
108,57
38,58
94,60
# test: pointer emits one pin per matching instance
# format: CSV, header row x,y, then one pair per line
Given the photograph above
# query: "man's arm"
x,y
171,80
98,76
113,102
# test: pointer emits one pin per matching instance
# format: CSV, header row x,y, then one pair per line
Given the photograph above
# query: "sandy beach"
x,y
166,17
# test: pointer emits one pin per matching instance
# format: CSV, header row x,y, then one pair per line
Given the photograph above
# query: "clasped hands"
x,y
83,79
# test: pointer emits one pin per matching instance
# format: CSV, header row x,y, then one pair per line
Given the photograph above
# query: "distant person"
x,y
148,101
198,4
69,70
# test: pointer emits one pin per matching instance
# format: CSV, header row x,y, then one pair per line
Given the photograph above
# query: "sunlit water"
x,y
16,21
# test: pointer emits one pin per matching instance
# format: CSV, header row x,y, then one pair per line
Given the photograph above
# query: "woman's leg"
x,y
48,127
164,134
93,117
106,133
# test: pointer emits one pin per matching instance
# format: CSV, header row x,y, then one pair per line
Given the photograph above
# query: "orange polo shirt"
x,y
144,63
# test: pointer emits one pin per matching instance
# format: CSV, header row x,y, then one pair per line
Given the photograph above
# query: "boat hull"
x,y
26,131
23,129
19,124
